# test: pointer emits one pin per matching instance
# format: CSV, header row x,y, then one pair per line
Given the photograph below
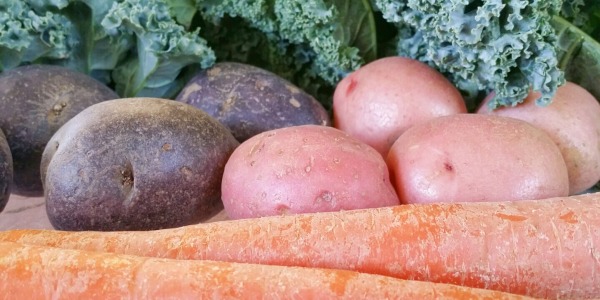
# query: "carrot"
x,y
544,248
38,272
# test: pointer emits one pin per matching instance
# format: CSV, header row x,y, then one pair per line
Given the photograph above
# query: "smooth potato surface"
x,y
303,169
384,98
573,121
35,101
250,100
473,157
135,164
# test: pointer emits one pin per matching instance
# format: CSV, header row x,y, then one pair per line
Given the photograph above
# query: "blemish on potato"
x,y
292,89
127,177
295,103
167,147
448,167
351,86
58,108
187,172
256,148
261,84
324,196
282,209
215,71
192,88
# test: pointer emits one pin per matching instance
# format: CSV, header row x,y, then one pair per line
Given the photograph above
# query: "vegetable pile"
x,y
151,47
372,148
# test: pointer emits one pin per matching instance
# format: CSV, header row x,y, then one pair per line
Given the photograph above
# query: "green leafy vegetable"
x,y
579,55
163,48
584,14
495,45
28,36
312,43
150,47
135,45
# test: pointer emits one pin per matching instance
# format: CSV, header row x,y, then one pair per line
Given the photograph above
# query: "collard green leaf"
x,y
357,26
584,14
579,56
183,11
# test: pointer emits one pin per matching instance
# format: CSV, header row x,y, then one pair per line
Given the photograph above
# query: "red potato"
x,y
301,169
572,120
474,157
378,102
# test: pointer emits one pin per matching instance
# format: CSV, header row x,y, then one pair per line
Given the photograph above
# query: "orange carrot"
x,y
546,248
38,272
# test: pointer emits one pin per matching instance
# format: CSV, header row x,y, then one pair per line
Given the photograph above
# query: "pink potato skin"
x,y
476,158
302,169
573,121
379,101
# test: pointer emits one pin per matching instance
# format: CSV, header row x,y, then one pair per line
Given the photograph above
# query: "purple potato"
x,y
250,100
135,164
6,171
35,101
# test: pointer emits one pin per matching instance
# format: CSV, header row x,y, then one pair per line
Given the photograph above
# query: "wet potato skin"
x,y
35,101
250,100
6,171
135,164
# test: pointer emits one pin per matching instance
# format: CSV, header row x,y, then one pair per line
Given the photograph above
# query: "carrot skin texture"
x,y
546,248
39,272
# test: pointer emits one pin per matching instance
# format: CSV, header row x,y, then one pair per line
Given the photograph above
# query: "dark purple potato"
x,y
250,100
135,164
35,101
6,171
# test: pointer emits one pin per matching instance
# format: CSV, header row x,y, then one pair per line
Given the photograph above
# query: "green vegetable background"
x,y
152,47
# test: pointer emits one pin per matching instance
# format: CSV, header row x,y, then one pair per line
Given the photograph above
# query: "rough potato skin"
x,y
250,100
35,101
304,169
6,171
135,164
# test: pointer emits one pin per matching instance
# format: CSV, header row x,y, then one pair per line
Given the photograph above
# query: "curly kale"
x,y
311,43
504,46
150,47
134,45
27,35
